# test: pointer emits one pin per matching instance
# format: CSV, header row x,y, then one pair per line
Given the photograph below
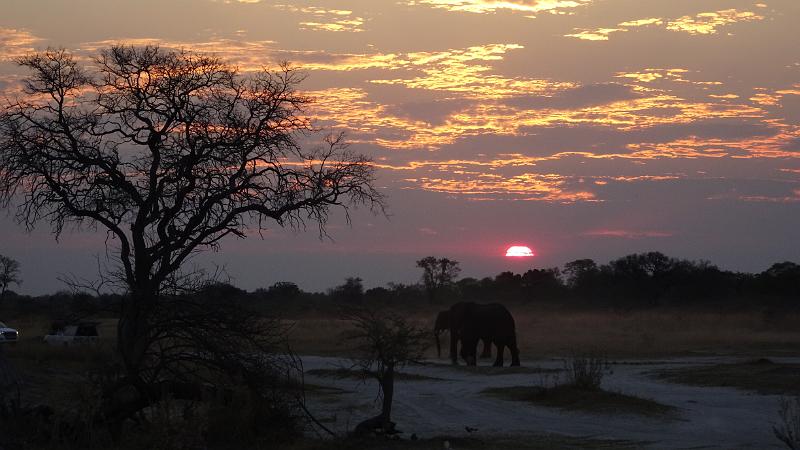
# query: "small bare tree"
x,y
9,274
382,343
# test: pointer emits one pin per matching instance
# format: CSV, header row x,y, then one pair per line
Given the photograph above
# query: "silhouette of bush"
x,y
585,372
250,420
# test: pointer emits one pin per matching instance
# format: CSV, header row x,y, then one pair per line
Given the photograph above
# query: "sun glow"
x,y
519,251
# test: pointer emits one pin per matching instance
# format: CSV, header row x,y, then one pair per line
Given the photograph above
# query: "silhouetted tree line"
x,y
642,280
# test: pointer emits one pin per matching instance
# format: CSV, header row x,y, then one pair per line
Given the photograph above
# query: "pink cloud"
x,y
627,234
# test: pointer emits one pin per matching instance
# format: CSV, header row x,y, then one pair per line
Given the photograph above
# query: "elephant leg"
x,y
468,353
487,349
498,362
472,352
512,346
454,347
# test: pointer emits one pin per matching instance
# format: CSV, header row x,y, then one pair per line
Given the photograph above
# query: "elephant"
x,y
443,324
492,322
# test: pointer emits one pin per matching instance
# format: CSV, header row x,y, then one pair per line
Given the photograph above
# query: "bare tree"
x,y
168,152
437,273
383,342
9,274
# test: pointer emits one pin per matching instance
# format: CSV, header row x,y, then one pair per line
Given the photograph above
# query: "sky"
x,y
579,128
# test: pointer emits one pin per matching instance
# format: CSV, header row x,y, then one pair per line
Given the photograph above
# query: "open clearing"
x,y
763,376
700,417
575,399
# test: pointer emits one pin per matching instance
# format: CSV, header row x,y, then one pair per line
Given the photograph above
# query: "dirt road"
x,y
706,418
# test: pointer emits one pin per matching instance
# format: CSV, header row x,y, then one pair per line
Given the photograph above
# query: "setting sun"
x,y
519,251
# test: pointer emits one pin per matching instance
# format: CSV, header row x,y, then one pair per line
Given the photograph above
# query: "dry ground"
x,y
595,401
543,442
761,376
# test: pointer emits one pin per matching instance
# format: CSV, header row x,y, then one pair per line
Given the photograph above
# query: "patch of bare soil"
x,y
342,373
762,376
490,370
541,442
596,401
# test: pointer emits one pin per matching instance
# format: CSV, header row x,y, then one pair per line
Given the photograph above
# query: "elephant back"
x,y
491,320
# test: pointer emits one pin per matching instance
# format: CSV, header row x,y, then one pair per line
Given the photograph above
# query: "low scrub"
x,y
787,430
585,372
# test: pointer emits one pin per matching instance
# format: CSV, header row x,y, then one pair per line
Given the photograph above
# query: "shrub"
x,y
585,372
788,428
252,420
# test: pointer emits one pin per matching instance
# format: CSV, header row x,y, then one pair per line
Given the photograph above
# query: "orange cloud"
x,y
326,19
372,122
707,23
460,70
642,22
676,74
527,187
703,23
598,34
766,98
15,43
773,146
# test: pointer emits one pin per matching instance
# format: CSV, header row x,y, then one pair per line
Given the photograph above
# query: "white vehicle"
x,y
8,334
74,333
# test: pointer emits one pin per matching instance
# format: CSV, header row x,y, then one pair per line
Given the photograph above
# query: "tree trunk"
x,y
132,391
133,334
387,386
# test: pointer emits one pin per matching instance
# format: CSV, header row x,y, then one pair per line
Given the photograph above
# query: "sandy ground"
x,y
707,417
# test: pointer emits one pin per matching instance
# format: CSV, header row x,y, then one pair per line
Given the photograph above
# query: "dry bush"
x,y
585,372
251,422
788,428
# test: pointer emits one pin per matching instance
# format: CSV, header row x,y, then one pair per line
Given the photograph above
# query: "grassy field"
x,y
551,333
546,332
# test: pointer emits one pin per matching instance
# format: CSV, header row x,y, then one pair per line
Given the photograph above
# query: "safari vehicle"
x,y
63,333
8,335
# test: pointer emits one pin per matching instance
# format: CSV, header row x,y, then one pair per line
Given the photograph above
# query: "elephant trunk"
x,y
438,345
